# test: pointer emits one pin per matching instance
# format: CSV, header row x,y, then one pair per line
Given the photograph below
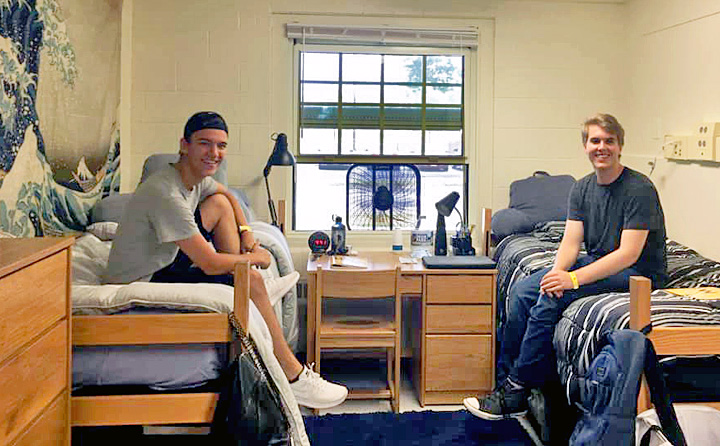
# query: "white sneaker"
x,y
277,287
312,391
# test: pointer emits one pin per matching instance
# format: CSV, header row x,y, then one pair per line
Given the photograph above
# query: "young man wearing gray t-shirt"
x,y
183,226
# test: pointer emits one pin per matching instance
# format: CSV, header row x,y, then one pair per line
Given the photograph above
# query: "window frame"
x,y
468,115
467,54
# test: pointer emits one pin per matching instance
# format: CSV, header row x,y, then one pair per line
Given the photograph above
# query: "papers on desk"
x,y
408,260
349,262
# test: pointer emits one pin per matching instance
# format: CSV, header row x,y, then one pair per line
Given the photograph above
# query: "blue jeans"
x,y
526,352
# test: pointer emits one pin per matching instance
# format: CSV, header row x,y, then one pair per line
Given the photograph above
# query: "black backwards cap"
x,y
204,120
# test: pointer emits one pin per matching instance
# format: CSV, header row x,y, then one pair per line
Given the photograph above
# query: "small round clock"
x,y
319,242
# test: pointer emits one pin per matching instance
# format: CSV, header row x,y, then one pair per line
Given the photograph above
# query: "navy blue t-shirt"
x,y
629,202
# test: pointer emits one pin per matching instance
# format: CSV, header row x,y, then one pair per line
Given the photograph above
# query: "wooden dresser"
x,y
35,348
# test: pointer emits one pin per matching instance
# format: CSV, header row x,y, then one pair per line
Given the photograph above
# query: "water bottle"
x,y
337,237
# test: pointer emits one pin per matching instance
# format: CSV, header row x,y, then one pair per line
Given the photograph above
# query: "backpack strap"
x,y
661,398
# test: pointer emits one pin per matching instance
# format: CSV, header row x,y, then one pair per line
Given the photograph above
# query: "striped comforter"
x,y
585,321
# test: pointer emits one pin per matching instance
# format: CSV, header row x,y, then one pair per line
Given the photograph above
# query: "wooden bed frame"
x,y
668,340
165,408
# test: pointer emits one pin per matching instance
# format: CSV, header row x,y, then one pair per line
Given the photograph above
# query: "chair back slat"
x,y
357,285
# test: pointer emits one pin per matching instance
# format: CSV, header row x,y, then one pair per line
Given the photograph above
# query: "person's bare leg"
x,y
289,363
219,220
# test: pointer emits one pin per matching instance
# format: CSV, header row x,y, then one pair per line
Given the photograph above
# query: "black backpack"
x,y
607,394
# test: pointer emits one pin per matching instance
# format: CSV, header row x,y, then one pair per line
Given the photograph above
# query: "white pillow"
x,y
104,230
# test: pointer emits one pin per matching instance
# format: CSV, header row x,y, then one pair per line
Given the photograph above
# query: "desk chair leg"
x,y
395,403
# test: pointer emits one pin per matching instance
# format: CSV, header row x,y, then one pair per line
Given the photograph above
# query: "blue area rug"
x,y
413,428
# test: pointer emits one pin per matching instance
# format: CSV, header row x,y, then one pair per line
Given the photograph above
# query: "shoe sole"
x,y
321,406
491,416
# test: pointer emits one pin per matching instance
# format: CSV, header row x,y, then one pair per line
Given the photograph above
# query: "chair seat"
x,y
352,331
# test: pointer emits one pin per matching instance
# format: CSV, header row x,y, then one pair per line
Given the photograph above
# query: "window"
x,y
398,113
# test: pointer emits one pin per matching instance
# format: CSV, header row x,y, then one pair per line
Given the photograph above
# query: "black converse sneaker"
x,y
507,401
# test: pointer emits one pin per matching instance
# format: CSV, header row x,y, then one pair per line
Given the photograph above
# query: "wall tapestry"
x,y
59,101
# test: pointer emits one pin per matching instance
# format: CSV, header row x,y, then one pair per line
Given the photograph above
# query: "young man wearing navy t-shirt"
x,y
616,212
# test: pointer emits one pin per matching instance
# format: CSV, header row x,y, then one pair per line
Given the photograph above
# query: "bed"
x,y
685,316
151,353
525,238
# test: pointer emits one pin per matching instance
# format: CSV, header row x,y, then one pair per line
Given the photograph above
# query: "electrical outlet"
x,y
702,142
675,147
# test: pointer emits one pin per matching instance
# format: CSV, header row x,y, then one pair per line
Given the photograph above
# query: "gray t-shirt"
x,y
629,202
160,212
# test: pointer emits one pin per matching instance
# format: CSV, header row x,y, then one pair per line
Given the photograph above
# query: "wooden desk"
x,y
454,328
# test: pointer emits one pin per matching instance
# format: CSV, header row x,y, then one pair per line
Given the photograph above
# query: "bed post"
x,y
640,288
485,218
241,304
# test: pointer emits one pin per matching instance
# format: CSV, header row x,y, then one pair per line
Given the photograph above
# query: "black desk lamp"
x,y
280,156
444,208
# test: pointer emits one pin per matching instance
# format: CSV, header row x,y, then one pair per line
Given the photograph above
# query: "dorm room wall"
x,y
672,73
551,69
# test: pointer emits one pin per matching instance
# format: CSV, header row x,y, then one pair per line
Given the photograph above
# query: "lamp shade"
x,y
447,204
280,155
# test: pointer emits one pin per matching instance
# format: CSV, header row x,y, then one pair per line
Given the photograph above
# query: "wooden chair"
x,y
351,332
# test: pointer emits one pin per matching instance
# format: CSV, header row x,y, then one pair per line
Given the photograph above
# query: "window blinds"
x,y
383,35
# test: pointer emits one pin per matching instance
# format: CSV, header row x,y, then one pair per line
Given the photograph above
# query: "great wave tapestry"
x,y
59,137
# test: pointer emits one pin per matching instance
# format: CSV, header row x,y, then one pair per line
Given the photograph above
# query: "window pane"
x,y
319,194
361,93
320,67
319,116
403,117
443,142
360,142
401,94
402,142
403,68
444,69
361,67
444,95
318,141
443,118
354,116
436,184
319,92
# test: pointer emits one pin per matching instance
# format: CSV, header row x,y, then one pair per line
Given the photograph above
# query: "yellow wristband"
x,y
575,282
244,228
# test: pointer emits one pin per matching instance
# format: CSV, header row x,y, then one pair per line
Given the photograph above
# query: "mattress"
x,y
583,323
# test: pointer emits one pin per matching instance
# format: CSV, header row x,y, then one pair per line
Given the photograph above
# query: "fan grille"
x,y
382,196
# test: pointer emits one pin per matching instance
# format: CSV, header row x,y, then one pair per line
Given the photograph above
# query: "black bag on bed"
x,y
249,410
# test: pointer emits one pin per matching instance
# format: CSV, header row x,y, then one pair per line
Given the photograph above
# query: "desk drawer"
x,y
411,284
33,299
459,319
458,362
460,289
31,380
